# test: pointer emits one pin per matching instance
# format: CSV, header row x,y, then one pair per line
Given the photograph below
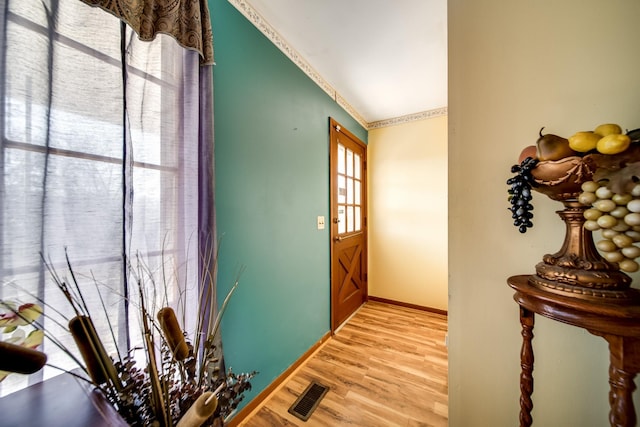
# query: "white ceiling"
x,y
385,58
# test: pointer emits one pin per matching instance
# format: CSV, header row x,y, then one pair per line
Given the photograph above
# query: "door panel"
x,y
348,224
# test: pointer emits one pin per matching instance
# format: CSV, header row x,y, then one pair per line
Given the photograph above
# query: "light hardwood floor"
x,y
387,366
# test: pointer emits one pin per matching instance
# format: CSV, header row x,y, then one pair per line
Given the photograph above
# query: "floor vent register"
x,y
308,401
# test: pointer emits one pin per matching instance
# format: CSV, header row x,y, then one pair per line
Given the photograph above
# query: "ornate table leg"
x,y
526,362
622,412
625,363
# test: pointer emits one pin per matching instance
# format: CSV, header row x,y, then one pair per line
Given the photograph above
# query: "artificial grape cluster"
x,y
520,194
618,218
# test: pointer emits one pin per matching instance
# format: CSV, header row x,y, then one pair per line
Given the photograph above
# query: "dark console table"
x,y
62,401
617,323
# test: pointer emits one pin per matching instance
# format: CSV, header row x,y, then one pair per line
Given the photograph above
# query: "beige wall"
x,y
407,173
515,66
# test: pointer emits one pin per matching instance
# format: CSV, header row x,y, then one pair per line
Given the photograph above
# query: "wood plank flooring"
x,y
386,367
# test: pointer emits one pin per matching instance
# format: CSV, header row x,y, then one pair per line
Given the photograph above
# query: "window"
x,y
98,161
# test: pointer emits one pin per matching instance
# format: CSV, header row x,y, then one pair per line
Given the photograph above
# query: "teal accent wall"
x,y
272,181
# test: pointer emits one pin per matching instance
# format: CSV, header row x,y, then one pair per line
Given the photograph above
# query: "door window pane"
x,y
341,166
356,166
342,189
349,162
350,191
356,192
349,219
357,222
342,222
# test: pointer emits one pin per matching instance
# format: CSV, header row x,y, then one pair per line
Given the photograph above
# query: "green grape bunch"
x,y
617,216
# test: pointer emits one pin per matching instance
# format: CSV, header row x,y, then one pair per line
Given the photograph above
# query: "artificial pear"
x,y
553,147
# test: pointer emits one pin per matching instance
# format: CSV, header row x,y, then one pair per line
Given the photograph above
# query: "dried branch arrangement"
x,y
179,381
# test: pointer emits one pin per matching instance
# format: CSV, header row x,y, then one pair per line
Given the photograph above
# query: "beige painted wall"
x,y
407,177
515,66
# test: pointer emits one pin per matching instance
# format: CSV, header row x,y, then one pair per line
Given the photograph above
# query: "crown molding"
x,y
429,114
249,12
265,28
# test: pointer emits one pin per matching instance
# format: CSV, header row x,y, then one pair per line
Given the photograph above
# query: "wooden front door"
x,y
348,224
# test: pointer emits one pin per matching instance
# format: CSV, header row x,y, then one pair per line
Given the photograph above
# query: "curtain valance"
x,y
185,20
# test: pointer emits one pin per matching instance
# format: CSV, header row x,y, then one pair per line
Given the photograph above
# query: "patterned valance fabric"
x,y
185,20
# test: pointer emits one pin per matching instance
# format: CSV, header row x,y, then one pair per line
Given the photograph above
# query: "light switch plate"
x,y
320,223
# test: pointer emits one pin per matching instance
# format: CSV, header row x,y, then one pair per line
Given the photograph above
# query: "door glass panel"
x,y
349,178
341,167
350,191
342,189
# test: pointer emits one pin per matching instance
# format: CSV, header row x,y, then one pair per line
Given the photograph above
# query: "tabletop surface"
x,y
62,401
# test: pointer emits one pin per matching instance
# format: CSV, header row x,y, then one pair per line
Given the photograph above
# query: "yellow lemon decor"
x,y
613,143
584,141
608,129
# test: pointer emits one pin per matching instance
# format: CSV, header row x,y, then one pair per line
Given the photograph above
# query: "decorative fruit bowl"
x,y
578,269
562,179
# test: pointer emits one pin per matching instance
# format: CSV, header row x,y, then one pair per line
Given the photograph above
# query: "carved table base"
x,y
618,324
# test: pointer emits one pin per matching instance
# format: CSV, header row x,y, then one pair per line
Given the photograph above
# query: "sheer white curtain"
x,y
105,163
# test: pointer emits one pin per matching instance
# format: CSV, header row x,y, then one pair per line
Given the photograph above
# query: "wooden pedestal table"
x,y
617,323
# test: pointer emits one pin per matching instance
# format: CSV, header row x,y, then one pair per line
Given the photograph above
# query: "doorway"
x,y
349,289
